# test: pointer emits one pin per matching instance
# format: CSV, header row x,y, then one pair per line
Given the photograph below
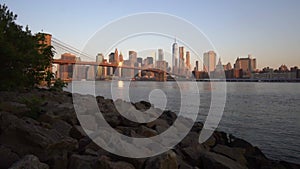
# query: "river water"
x,y
265,114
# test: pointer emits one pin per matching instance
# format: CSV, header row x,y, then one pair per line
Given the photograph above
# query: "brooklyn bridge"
x,y
77,65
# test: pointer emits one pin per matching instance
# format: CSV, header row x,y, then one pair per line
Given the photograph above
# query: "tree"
x,y
24,60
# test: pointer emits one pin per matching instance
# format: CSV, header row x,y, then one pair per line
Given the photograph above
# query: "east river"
x,y
265,114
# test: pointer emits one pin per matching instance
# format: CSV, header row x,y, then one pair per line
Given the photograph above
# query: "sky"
x,y
268,30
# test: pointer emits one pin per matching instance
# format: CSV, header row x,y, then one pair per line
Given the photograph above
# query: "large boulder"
x,y
215,161
167,160
236,154
27,137
7,157
29,162
77,132
82,162
105,162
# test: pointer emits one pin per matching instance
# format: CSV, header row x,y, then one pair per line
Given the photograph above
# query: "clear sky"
x,y
269,29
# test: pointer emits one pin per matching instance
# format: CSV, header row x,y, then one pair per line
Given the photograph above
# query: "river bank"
x,y
39,128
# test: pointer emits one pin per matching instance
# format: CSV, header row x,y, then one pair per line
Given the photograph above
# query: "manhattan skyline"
x,y
267,30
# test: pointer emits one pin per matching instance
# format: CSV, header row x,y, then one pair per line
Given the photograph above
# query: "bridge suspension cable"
x,y
64,46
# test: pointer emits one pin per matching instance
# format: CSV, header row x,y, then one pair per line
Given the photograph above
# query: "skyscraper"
x,y
99,69
140,60
132,56
188,60
174,57
116,56
160,55
209,61
121,58
181,59
111,57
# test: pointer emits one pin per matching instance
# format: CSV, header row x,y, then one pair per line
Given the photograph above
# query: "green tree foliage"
x,y
24,60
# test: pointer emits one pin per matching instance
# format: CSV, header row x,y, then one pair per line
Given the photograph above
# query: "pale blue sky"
x,y
269,29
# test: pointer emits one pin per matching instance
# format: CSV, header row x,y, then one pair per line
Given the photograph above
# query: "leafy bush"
x,y
59,85
34,104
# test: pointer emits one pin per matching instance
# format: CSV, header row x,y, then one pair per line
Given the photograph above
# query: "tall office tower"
x,y
121,58
150,60
116,56
197,65
188,60
99,59
111,57
174,57
139,60
160,55
132,56
181,60
209,61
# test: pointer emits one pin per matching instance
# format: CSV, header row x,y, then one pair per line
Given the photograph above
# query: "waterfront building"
x,y
227,66
132,57
188,60
66,70
219,71
148,62
197,65
140,60
209,61
174,57
99,69
160,54
283,68
162,65
181,61
111,57
128,73
90,72
116,56
121,58
282,73
248,65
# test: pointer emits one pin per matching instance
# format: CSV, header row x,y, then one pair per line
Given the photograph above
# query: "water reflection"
x,y
120,84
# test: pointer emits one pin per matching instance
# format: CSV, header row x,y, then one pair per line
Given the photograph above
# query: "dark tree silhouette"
x,y
24,60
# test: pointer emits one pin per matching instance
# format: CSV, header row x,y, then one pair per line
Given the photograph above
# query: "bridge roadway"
x,y
62,62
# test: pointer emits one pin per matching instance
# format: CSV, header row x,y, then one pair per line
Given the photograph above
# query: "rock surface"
x,y
29,162
39,129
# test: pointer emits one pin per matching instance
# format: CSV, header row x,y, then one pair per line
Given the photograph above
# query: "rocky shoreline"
x,y
39,130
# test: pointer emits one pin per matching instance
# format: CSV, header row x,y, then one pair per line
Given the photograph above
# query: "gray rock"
x,y
7,157
190,140
29,162
236,154
145,131
24,137
193,154
159,125
167,160
210,142
15,108
142,105
62,127
105,163
77,132
82,162
215,161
